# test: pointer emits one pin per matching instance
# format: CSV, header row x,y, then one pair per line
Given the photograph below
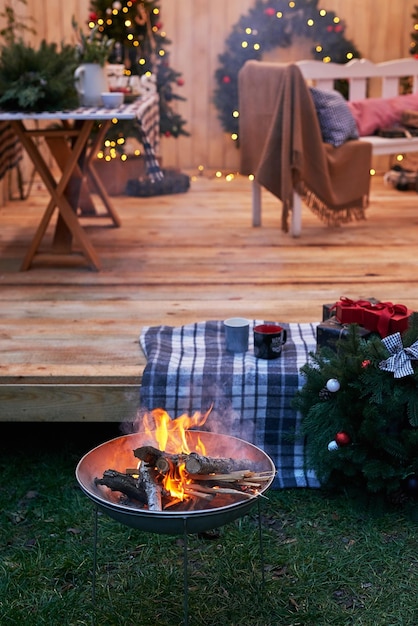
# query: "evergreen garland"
x,y
362,437
270,24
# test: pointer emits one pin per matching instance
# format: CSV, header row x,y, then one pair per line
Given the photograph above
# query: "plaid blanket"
x,y
188,370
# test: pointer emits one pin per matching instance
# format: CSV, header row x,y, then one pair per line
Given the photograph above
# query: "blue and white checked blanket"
x,y
189,370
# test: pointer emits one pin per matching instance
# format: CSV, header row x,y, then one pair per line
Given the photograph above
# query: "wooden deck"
x,y
69,337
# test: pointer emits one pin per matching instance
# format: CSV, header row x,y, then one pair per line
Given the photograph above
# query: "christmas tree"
x,y
141,45
414,35
359,409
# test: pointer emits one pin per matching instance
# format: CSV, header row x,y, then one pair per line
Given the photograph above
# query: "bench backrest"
x,y
358,72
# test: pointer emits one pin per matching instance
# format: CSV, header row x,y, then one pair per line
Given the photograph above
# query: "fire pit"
x,y
186,480
208,512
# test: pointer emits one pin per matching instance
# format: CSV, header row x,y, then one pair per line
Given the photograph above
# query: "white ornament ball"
x,y
117,5
333,445
333,385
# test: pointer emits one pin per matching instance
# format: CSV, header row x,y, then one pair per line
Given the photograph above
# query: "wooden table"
x,y
73,147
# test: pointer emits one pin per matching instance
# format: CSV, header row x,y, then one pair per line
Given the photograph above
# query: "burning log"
x,y
148,476
125,483
194,463
163,461
198,464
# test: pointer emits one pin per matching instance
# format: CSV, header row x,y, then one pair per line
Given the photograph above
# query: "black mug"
x,y
269,340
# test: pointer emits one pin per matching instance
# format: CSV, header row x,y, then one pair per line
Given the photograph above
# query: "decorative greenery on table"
x,y
268,25
93,47
360,416
39,79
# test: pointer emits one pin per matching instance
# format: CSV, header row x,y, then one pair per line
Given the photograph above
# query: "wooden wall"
x,y
381,30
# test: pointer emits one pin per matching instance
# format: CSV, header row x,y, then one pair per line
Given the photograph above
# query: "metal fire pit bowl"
x,y
117,454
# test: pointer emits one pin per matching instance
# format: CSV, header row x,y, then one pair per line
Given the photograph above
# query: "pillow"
x,y
372,114
335,118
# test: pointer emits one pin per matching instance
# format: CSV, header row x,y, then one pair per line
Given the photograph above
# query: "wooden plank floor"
x,y
70,336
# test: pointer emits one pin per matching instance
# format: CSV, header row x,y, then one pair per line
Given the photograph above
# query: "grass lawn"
x,y
325,561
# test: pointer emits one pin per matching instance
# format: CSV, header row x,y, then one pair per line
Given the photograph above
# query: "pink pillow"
x,y
371,114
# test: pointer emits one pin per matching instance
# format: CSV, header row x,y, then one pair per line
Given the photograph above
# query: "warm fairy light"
x,y
279,15
318,48
256,46
349,55
200,168
292,5
130,37
327,59
310,22
248,31
244,44
336,20
128,23
229,177
142,61
322,13
234,136
156,11
161,53
218,174
235,113
399,157
372,172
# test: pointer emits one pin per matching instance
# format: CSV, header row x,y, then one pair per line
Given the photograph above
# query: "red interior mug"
x,y
269,340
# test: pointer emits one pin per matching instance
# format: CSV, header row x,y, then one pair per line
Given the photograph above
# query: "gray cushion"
x,y
335,118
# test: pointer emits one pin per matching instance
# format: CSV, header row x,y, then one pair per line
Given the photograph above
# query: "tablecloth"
x,y
188,370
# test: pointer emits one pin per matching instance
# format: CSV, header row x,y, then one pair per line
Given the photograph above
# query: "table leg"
x,y
68,221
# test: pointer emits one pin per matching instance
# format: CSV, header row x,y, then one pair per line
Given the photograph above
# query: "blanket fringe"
x,y
334,216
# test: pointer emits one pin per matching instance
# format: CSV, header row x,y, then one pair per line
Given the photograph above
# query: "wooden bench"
x,y
387,77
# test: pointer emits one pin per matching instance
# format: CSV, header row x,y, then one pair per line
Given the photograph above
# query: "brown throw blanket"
x,y
281,144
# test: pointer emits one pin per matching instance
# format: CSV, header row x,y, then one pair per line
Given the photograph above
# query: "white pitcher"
x,y
90,81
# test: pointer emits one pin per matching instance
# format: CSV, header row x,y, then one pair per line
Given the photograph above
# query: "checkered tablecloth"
x,y
145,111
188,369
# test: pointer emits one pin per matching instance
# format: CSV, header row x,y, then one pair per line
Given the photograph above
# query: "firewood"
x,y
198,464
158,458
126,484
148,477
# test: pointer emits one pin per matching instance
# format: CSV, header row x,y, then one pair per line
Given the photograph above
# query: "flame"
x,y
170,435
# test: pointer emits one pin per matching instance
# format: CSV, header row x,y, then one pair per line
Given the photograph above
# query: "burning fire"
x,y
170,436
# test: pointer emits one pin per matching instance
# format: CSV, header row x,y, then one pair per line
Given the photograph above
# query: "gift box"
x,y
329,309
349,311
330,331
386,318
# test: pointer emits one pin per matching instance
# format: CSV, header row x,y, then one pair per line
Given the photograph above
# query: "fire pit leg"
x,y
260,539
93,579
185,577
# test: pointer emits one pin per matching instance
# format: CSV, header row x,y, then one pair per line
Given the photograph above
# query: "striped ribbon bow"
x,y
400,360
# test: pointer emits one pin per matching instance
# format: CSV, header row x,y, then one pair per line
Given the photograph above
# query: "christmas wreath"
x,y
359,407
273,23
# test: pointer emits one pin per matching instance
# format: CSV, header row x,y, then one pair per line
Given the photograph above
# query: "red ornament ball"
x,y
180,82
365,363
270,11
342,439
226,80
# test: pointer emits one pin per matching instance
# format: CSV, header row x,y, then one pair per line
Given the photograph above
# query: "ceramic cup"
x,y
269,340
236,334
